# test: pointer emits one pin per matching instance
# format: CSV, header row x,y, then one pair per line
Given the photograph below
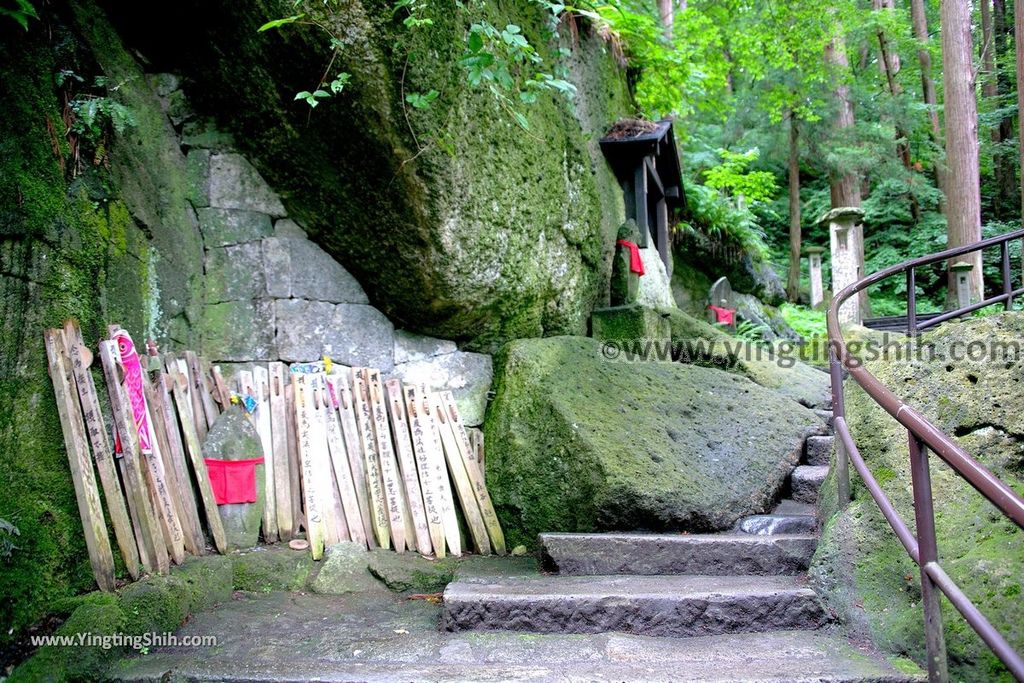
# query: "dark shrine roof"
x,y
629,141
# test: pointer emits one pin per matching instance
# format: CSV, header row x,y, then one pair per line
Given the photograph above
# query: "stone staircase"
x,y
711,588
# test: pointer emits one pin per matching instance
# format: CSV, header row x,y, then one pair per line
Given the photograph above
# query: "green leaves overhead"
x,y
733,176
22,11
278,23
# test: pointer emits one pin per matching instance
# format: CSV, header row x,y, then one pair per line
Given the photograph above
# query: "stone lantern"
x,y
842,222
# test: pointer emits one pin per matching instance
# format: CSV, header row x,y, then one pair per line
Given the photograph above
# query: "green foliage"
x,y
8,534
422,100
680,75
751,331
503,61
94,113
278,23
733,176
324,88
714,216
498,60
807,322
22,11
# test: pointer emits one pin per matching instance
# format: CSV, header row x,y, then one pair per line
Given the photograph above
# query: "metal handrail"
x,y
922,436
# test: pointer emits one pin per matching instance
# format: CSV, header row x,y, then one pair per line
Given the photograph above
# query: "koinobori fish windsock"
x,y
133,385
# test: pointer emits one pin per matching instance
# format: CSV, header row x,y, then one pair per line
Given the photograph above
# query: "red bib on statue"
x,y
233,481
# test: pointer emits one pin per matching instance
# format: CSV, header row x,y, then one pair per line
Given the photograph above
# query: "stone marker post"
x,y
841,222
962,273
814,258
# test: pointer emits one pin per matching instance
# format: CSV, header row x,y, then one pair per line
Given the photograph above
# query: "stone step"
x,y
765,525
647,554
677,606
818,450
788,506
827,416
805,482
774,657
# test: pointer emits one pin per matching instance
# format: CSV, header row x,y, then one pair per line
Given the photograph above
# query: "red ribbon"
x,y
233,481
636,264
726,316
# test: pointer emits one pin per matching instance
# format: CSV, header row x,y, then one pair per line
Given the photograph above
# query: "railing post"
x,y
839,410
924,515
911,303
1007,282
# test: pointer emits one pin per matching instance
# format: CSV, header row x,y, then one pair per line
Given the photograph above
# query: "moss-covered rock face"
x,y
108,245
459,222
578,443
698,261
861,567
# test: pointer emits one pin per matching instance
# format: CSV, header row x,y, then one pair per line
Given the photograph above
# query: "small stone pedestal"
x,y
814,263
962,277
630,324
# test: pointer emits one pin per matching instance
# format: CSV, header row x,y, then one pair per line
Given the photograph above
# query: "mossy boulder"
x,y
861,568
272,568
774,367
577,442
630,326
345,571
411,572
111,621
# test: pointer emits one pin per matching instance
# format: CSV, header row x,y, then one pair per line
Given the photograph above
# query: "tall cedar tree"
x,y
963,209
920,22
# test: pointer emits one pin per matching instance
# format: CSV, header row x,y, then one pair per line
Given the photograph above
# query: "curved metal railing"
x,y
922,437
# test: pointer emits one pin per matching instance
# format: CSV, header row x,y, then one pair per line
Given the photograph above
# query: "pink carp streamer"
x,y
133,384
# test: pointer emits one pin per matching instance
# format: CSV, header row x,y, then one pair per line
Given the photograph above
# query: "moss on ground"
x,y
268,569
156,604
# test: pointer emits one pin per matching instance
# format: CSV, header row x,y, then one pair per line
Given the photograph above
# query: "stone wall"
x,y
272,294
459,222
129,229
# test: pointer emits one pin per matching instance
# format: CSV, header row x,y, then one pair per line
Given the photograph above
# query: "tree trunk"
x,y
1004,159
1018,36
990,91
963,211
667,13
889,64
920,22
793,282
845,187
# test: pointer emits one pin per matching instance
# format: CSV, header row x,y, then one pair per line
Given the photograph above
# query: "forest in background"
x,y
787,109
784,109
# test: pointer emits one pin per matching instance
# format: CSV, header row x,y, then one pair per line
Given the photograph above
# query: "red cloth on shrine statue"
x,y
233,481
726,316
636,264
